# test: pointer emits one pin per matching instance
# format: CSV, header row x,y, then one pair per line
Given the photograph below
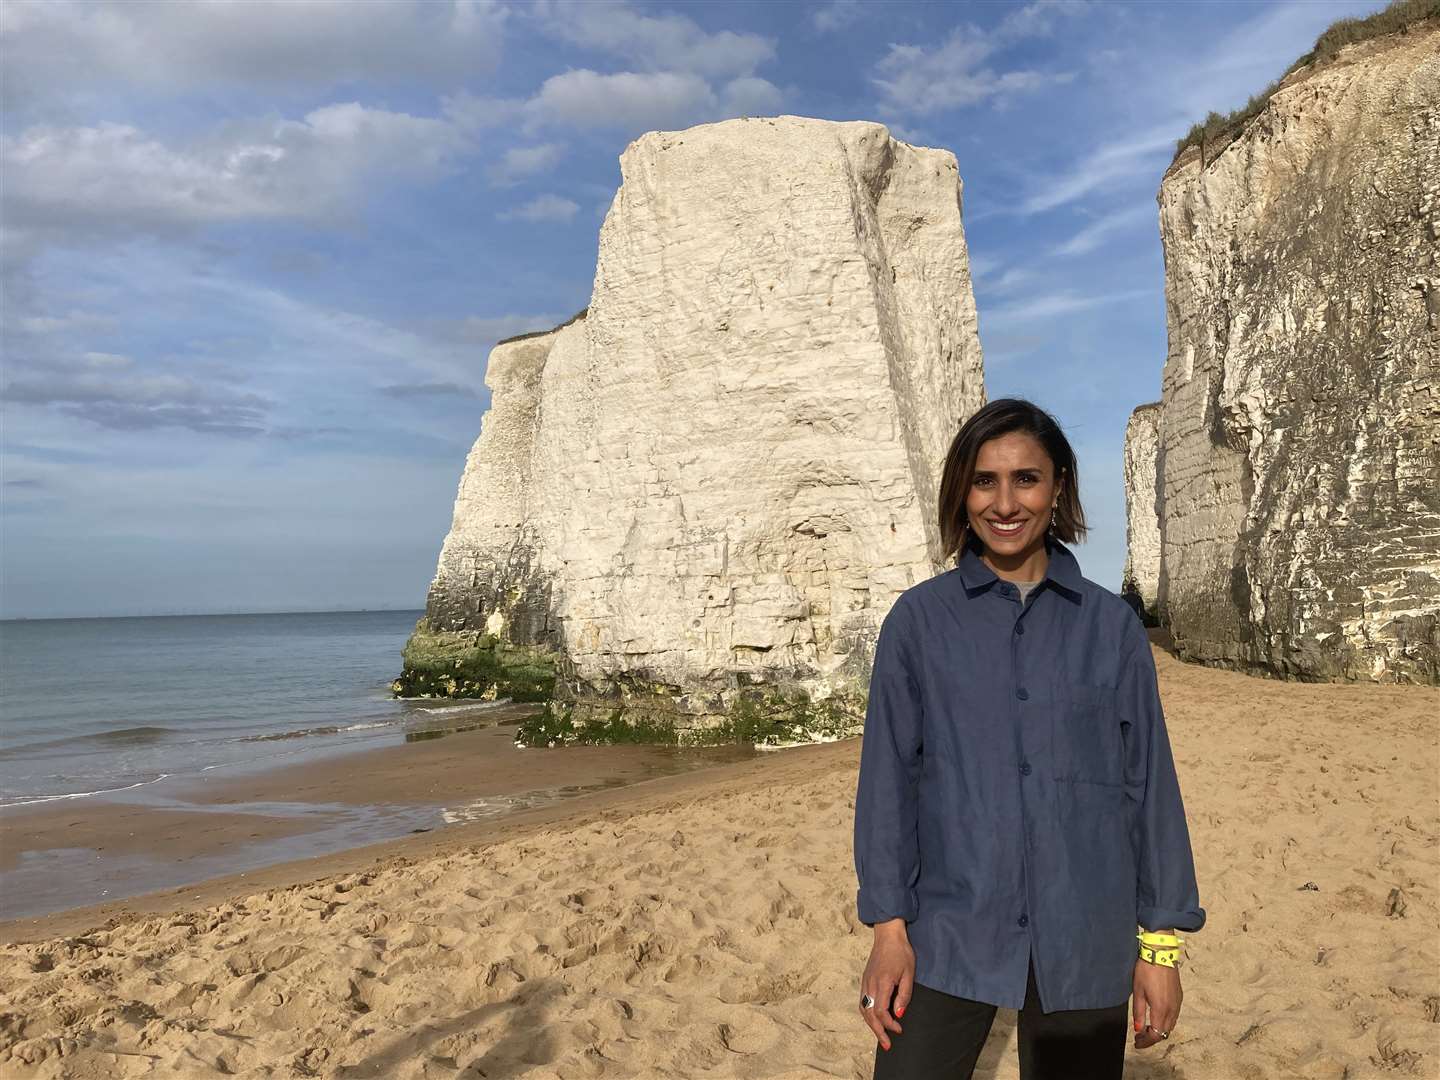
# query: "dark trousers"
x,y
944,1035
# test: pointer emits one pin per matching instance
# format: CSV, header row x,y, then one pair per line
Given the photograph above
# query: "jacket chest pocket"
x,y
1087,744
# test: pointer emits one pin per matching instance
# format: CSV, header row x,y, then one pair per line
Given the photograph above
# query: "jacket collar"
x,y
1063,569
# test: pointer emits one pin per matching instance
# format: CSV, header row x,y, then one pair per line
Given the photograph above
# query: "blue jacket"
x,y
1017,796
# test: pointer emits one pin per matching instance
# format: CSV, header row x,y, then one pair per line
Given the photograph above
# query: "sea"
x,y
131,711
99,706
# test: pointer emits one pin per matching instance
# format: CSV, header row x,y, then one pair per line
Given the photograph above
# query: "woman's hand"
x,y
892,965
1157,989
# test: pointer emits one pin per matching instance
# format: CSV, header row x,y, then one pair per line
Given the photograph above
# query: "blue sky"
x,y
255,254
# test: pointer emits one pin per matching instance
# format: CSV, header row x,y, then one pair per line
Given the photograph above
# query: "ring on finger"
x,y
866,1001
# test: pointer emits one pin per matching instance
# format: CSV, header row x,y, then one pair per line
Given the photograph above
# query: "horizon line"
x,y
212,614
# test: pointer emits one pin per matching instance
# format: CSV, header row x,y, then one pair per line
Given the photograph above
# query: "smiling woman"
x,y
1010,476
1018,813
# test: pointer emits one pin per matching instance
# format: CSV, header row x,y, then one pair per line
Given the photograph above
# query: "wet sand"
x,y
82,852
705,924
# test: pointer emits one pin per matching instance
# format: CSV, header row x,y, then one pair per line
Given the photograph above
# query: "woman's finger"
x,y
907,988
874,1015
1166,1020
884,1007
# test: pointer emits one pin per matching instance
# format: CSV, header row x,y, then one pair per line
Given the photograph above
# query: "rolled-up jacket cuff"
x,y
1158,918
878,903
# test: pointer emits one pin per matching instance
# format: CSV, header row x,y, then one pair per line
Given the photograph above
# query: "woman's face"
x,y
1011,494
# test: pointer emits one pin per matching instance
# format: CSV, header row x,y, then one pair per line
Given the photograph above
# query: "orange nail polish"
x,y
900,1012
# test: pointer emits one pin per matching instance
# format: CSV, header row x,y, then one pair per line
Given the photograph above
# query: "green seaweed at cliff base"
x,y
776,718
461,664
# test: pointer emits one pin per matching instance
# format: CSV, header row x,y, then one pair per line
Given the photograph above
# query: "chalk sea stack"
x,y
1141,582
1297,462
713,483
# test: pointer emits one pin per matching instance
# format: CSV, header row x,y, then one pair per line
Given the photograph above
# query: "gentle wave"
x,y
324,729
131,736
478,706
31,800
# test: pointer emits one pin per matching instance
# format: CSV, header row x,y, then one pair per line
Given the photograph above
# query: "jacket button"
x,y
1019,628
1023,694
1025,769
1024,920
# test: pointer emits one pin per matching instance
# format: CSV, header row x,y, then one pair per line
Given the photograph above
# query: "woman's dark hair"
x,y
1001,417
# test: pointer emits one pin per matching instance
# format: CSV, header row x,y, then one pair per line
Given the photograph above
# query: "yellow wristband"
x,y
1160,957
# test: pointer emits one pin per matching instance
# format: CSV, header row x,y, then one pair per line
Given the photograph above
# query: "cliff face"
x,y
1141,583
1299,439
488,575
725,473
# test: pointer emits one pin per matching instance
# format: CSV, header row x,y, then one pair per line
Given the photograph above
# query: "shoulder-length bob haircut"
x,y
1001,417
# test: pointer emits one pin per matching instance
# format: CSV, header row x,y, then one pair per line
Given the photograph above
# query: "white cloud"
x,y
958,72
79,183
835,15
1098,231
471,113
666,41
1062,302
1013,278
258,362
630,100
60,48
1141,155
749,96
521,161
543,208
1037,19
679,73
635,101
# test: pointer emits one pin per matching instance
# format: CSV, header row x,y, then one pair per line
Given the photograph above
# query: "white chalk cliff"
x,y
1141,582
1299,434
723,474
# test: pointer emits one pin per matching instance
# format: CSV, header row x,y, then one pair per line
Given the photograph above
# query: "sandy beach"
x,y
74,853
704,924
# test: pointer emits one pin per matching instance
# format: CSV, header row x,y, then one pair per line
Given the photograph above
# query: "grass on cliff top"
x,y
540,333
1217,130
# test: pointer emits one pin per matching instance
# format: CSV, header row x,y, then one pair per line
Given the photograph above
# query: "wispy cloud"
x,y
112,392
835,15
80,184
1063,302
676,74
916,79
1102,229
1174,87
654,42
520,162
1141,156
543,208
634,102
